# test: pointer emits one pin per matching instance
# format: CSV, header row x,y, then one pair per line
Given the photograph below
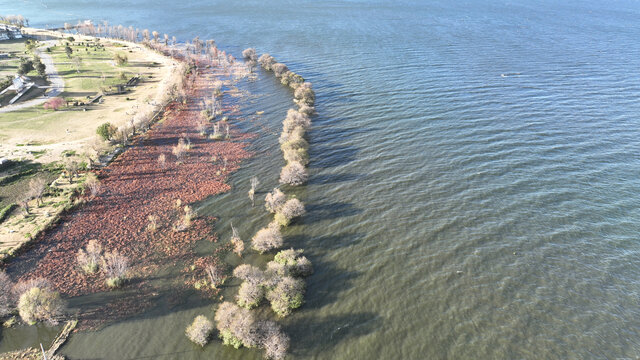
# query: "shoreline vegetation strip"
x,y
137,185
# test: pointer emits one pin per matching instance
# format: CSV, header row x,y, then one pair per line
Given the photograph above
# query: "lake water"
x,y
475,175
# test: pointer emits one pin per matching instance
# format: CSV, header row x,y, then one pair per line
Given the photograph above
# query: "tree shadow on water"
x,y
312,335
334,178
331,156
327,211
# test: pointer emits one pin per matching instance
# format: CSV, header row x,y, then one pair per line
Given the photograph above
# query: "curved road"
x,y
56,87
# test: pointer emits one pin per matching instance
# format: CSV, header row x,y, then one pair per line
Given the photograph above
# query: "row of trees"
x,y
281,283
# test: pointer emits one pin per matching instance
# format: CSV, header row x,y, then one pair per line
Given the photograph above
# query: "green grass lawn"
x,y
96,71
16,48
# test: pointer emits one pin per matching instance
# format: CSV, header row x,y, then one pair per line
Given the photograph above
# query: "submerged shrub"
x,y
250,54
294,134
279,69
291,209
274,200
305,95
307,110
268,238
199,330
276,343
287,295
250,294
293,263
293,174
40,303
266,61
236,241
294,119
115,267
89,258
249,273
299,155
6,301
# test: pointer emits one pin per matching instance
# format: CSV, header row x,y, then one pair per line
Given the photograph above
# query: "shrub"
x,y
180,150
89,259
40,303
6,301
293,174
268,238
294,142
106,131
162,161
92,183
291,209
120,59
250,294
54,103
274,200
200,330
287,295
115,267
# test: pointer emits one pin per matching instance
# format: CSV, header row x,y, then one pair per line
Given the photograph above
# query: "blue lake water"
x,y
475,174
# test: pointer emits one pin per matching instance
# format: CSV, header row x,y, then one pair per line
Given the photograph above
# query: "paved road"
x,y
56,87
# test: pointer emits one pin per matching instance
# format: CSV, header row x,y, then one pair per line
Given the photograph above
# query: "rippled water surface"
x,y
475,173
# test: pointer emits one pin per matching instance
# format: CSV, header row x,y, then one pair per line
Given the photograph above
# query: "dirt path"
x,y
57,83
135,186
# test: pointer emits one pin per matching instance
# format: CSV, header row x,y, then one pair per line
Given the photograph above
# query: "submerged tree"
x,y
236,241
268,238
38,302
254,184
274,200
294,174
200,330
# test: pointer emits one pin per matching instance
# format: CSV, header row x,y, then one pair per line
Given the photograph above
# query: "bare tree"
x,y
216,274
162,161
89,258
254,184
115,267
37,186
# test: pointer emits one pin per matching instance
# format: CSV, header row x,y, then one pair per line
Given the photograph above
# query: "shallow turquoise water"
x,y
475,175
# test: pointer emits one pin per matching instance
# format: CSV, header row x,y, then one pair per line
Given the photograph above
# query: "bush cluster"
x,y
239,327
